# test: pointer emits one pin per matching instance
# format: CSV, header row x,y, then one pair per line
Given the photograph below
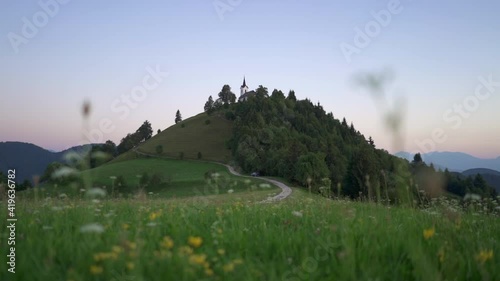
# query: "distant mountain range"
x,y
462,163
29,159
455,161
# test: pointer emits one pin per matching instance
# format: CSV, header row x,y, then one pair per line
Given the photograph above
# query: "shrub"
x,y
144,179
207,121
199,155
120,182
183,125
159,149
181,155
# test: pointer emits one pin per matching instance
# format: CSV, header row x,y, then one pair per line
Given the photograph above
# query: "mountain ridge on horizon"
x,y
454,161
29,159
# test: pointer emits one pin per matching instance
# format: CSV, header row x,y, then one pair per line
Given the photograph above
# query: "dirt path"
x,y
285,189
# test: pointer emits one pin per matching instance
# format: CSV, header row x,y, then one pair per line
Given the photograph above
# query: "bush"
x,y
120,182
207,121
144,179
156,180
199,155
159,149
181,155
183,125
230,115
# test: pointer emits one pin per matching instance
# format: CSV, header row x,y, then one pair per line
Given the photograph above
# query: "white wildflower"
x,y
92,228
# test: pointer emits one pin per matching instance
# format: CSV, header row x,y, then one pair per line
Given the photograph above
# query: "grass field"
x,y
191,136
182,178
304,237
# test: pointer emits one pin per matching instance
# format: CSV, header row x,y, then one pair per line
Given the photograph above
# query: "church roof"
x,y
247,95
244,83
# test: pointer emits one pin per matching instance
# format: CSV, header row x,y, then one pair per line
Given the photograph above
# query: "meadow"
x,y
178,179
233,237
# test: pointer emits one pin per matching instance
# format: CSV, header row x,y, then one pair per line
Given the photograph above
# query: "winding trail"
x,y
285,189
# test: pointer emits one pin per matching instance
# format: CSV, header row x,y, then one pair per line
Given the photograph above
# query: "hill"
x,y
455,161
201,133
29,159
492,177
166,178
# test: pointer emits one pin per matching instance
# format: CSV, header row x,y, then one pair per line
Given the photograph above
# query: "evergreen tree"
x,y
209,105
178,117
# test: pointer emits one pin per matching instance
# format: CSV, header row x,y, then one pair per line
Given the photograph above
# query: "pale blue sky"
x,y
99,51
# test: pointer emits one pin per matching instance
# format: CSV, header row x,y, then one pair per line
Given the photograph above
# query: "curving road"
x,y
285,189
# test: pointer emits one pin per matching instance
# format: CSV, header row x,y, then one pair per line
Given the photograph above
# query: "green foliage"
x,y
159,149
207,122
143,133
120,182
209,105
144,181
199,156
226,96
181,155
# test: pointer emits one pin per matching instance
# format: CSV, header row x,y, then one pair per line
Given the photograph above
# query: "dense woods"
x,y
297,140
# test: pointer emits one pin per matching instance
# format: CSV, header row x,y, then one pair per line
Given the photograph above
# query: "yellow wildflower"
x,y
484,256
131,245
428,233
185,250
198,259
194,241
441,255
221,252
130,265
117,249
238,261
209,272
96,270
125,226
167,242
228,267
154,215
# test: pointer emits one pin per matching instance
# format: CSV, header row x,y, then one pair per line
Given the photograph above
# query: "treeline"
x,y
299,141
95,155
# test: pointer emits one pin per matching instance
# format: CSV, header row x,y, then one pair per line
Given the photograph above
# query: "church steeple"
x,y
244,87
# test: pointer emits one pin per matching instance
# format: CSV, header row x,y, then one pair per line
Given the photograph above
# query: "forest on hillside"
x,y
282,136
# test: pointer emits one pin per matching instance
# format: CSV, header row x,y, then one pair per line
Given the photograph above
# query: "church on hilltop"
x,y
244,93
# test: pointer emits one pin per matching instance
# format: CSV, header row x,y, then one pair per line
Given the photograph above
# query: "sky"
x,y
144,60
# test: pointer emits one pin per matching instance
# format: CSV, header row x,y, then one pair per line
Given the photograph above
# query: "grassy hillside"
x,y
191,136
302,238
181,179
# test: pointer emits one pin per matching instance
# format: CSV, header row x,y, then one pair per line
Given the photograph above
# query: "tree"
x,y
159,131
417,159
371,142
178,117
209,105
291,95
145,131
261,91
226,95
